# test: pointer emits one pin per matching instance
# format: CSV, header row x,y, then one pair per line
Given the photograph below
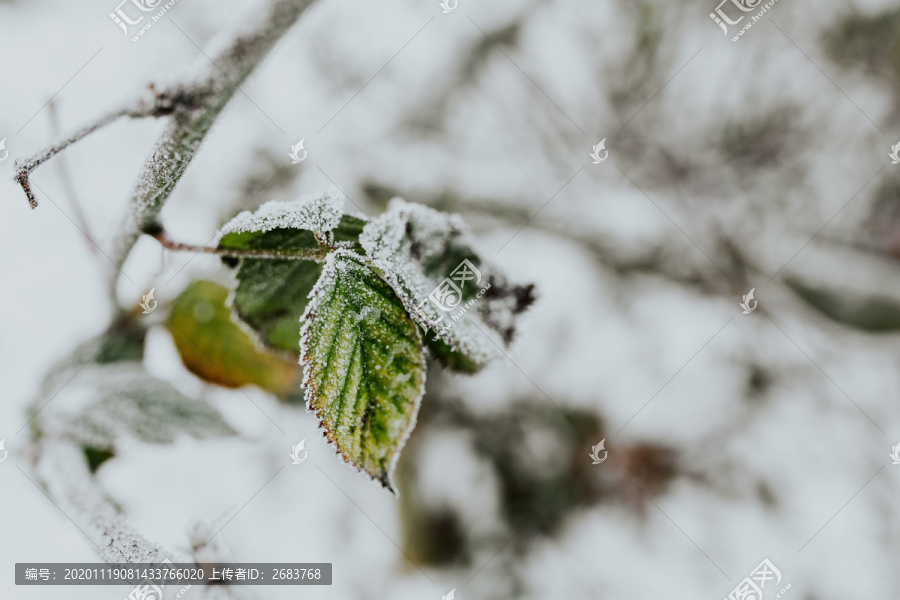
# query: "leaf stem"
x,y
317,255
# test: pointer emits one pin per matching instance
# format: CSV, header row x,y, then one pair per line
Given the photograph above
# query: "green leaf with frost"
x,y
364,365
295,226
106,400
417,248
359,334
271,292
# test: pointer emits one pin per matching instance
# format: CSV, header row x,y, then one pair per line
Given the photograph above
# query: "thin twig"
x,y
222,74
65,175
317,254
162,105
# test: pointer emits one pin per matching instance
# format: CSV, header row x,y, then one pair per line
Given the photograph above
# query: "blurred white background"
x,y
758,164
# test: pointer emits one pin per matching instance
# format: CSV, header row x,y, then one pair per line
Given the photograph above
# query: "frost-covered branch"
x,y
65,476
219,78
193,106
161,105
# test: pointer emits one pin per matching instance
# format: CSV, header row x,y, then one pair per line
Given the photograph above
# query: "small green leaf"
x,y
214,348
271,293
270,297
364,365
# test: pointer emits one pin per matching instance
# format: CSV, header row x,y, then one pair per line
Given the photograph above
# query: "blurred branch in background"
x,y
745,179
65,175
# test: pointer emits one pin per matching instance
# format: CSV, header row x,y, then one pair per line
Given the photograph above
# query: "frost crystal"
x,y
319,212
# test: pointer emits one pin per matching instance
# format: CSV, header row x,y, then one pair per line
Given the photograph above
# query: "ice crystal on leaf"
x,y
318,213
366,314
417,248
124,397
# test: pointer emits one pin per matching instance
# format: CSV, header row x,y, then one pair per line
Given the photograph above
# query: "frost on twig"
x,y
217,82
162,104
194,105
64,474
60,463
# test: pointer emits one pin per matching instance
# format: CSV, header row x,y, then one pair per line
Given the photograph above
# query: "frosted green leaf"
x,y
364,365
418,249
106,400
271,293
316,214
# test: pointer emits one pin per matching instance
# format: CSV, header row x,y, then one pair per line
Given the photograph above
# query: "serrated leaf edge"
x,y
267,216
306,322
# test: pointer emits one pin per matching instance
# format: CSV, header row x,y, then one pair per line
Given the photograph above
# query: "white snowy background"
x,y
768,433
